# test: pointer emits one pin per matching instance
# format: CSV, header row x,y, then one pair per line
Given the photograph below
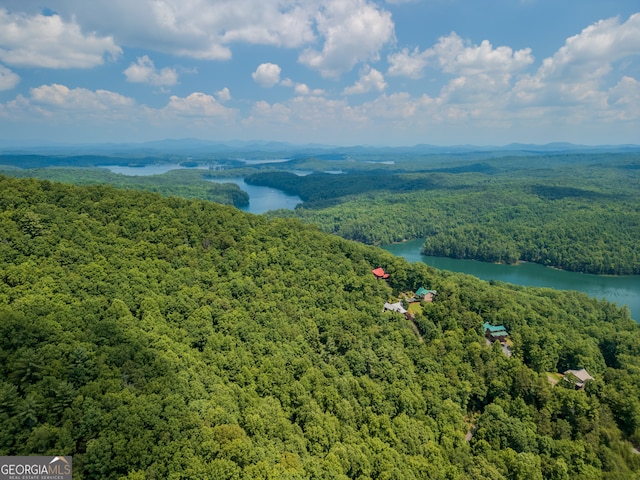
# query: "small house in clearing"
x,y
380,273
398,307
426,295
578,377
395,307
495,333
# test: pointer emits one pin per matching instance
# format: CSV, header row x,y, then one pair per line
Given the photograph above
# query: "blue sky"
x,y
338,72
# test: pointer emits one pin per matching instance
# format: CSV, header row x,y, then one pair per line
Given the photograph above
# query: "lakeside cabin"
x,y
495,333
426,295
380,273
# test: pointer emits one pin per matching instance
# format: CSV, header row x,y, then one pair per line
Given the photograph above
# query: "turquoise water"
x,y
263,199
622,290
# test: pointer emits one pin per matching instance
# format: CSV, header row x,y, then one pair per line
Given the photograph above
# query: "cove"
x,y
621,290
262,199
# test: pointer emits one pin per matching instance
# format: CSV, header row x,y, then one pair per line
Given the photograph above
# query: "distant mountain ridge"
x,y
187,146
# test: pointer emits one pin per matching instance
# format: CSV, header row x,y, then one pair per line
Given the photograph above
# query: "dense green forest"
x,y
184,183
576,212
155,337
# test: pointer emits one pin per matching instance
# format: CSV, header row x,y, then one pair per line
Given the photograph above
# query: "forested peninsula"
x,y
578,212
185,183
159,337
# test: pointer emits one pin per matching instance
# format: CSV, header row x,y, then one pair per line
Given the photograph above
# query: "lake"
x,y
154,169
622,290
262,199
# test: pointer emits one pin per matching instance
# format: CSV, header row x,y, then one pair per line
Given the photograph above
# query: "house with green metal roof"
x,y
495,332
426,295
493,328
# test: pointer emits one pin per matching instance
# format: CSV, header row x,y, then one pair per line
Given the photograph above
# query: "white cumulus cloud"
x,y
301,88
80,107
576,72
483,75
370,79
223,95
8,79
144,71
408,64
353,30
78,99
625,99
456,56
196,104
267,75
202,29
595,48
332,36
50,42
106,111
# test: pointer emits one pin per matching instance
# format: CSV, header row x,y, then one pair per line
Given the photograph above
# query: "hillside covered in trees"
x,y
154,337
185,183
578,212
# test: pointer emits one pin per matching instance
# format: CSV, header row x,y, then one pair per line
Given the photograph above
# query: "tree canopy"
x,y
159,337
576,212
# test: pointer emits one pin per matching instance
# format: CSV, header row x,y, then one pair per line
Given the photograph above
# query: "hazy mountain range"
x,y
196,147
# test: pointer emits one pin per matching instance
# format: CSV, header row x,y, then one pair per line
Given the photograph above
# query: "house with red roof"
x,y
380,273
